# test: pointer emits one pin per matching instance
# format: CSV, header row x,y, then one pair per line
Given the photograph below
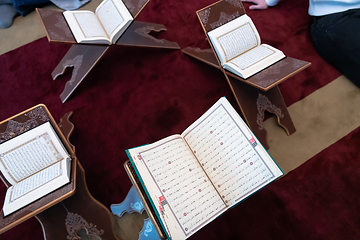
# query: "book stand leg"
x,y
81,214
77,216
84,57
137,35
253,104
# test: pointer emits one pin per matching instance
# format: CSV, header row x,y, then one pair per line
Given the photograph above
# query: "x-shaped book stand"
x,y
258,93
69,212
83,57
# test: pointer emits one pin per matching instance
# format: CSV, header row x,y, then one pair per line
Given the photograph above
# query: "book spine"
x,y
147,194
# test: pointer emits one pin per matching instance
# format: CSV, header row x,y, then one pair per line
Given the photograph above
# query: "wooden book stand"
x,y
83,57
70,212
259,92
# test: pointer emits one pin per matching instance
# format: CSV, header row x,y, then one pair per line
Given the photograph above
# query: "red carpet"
x,y
135,96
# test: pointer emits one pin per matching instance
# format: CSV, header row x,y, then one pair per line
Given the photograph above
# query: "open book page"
x,y
30,152
37,186
252,56
254,60
114,16
234,38
233,159
86,27
180,190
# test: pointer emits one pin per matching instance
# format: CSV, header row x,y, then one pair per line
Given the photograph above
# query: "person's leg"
x,y
5,2
7,13
336,37
9,9
24,7
70,4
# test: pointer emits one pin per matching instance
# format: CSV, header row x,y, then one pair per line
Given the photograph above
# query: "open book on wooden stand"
x,y
259,92
193,177
104,26
37,165
238,46
83,57
63,213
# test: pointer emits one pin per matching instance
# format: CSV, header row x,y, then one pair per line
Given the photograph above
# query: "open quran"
x,y
35,163
193,177
239,49
105,26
